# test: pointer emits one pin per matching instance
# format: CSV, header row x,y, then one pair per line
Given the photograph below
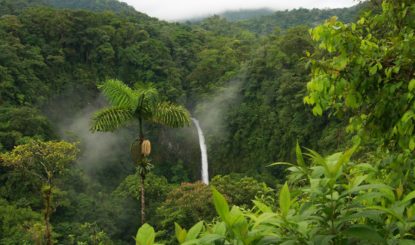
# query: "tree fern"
x,y
171,115
147,96
141,103
111,118
119,94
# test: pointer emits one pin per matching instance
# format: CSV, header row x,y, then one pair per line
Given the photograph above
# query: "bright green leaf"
x,y
285,199
145,235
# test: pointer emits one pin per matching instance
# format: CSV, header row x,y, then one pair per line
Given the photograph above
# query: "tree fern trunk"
x,y
142,200
141,139
141,130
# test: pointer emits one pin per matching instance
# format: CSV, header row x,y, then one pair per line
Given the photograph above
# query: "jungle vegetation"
x,y
309,121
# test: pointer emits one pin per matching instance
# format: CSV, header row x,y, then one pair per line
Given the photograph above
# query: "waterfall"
x,y
205,173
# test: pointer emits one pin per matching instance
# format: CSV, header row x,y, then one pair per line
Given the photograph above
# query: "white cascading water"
x,y
205,173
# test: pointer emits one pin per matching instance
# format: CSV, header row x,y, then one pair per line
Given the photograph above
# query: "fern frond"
x,y
146,93
119,94
171,115
111,118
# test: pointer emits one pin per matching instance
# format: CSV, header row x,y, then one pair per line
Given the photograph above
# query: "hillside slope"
x,y
16,6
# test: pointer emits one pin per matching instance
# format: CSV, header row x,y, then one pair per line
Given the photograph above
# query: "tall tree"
x,y
45,161
142,103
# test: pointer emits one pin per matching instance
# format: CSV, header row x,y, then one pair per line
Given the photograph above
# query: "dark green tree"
x,y
45,161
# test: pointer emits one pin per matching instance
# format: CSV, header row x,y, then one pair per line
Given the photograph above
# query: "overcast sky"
x,y
183,9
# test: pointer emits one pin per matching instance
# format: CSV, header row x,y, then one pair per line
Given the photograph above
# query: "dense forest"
x,y
308,117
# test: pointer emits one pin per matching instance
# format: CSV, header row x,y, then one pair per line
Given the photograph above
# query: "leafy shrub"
x,y
326,200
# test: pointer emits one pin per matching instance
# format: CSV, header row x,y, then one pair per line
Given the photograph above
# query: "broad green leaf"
x,y
265,217
411,85
236,217
356,181
345,157
373,70
299,155
262,207
378,187
317,110
145,235
370,214
387,211
211,238
285,199
221,205
191,242
364,232
408,115
219,228
409,197
181,233
412,143
194,232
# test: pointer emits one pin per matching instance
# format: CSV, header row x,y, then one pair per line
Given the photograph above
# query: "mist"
x,y
186,9
212,111
98,149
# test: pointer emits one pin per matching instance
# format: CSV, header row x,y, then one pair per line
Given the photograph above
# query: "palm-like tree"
x,y
143,104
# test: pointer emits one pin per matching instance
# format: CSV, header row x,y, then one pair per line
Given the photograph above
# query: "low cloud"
x,y
173,10
97,149
212,111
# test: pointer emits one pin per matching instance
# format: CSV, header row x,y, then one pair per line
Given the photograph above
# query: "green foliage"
x,y
13,6
112,118
44,160
83,234
267,114
57,68
365,74
17,125
145,235
337,201
54,70
186,205
287,19
246,14
284,200
157,189
141,103
119,94
98,5
19,225
240,190
188,237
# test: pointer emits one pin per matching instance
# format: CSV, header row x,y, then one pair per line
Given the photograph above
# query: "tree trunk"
x,y
141,137
142,200
48,208
142,175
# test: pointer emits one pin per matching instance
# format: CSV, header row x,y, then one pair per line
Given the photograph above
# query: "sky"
x,y
172,10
